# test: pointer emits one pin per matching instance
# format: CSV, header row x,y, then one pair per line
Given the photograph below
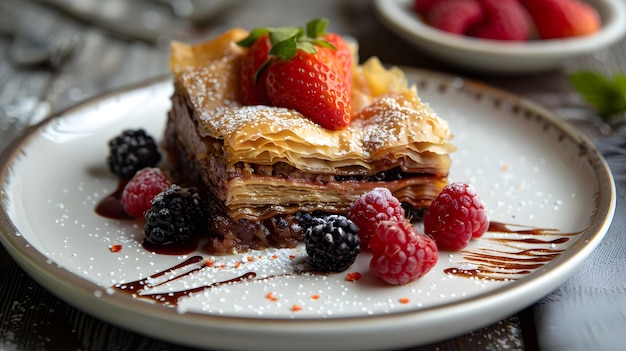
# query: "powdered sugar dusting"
x,y
212,85
391,121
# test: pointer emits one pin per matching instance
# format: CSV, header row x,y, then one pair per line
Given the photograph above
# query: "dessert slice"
x,y
265,168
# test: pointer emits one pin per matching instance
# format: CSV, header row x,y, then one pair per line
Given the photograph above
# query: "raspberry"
x,y
400,254
504,20
332,243
456,216
132,151
422,6
455,16
562,18
141,189
176,215
371,208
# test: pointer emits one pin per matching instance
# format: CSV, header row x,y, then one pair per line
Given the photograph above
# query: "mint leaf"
x,y
607,96
620,81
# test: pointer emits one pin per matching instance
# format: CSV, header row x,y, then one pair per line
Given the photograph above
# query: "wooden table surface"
x,y
31,318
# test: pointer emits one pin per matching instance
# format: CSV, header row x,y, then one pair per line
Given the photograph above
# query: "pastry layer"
x,y
257,191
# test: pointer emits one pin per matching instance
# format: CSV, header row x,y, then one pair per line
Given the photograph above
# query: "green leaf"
x,y
316,28
324,43
285,49
281,34
592,87
307,47
620,82
606,96
252,37
258,73
286,41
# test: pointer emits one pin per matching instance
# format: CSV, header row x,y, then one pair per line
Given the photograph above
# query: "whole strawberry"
x,y
455,217
307,73
373,207
400,254
141,189
563,18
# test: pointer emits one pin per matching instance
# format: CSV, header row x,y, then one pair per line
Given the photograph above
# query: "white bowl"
x,y
501,56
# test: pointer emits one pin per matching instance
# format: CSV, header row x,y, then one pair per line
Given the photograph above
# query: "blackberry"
x,y
132,151
309,219
332,243
176,215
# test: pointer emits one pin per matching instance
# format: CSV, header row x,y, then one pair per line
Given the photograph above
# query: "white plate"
x,y
499,56
530,169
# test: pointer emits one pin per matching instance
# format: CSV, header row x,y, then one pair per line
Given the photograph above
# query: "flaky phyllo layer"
x,y
275,160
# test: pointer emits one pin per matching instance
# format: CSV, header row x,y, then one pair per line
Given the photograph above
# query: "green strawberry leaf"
x,y
324,43
278,35
316,28
307,47
607,96
252,37
258,73
286,41
286,48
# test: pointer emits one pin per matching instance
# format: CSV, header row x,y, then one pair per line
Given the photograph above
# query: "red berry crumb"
x,y
141,189
456,216
371,208
353,276
270,296
400,254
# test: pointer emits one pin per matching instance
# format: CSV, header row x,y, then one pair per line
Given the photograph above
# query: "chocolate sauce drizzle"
x,y
516,255
510,260
135,288
528,250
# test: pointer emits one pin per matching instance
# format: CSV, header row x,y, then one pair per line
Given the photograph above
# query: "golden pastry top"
x,y
388,120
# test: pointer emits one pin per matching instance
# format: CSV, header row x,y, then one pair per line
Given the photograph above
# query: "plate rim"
x,y
395,324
